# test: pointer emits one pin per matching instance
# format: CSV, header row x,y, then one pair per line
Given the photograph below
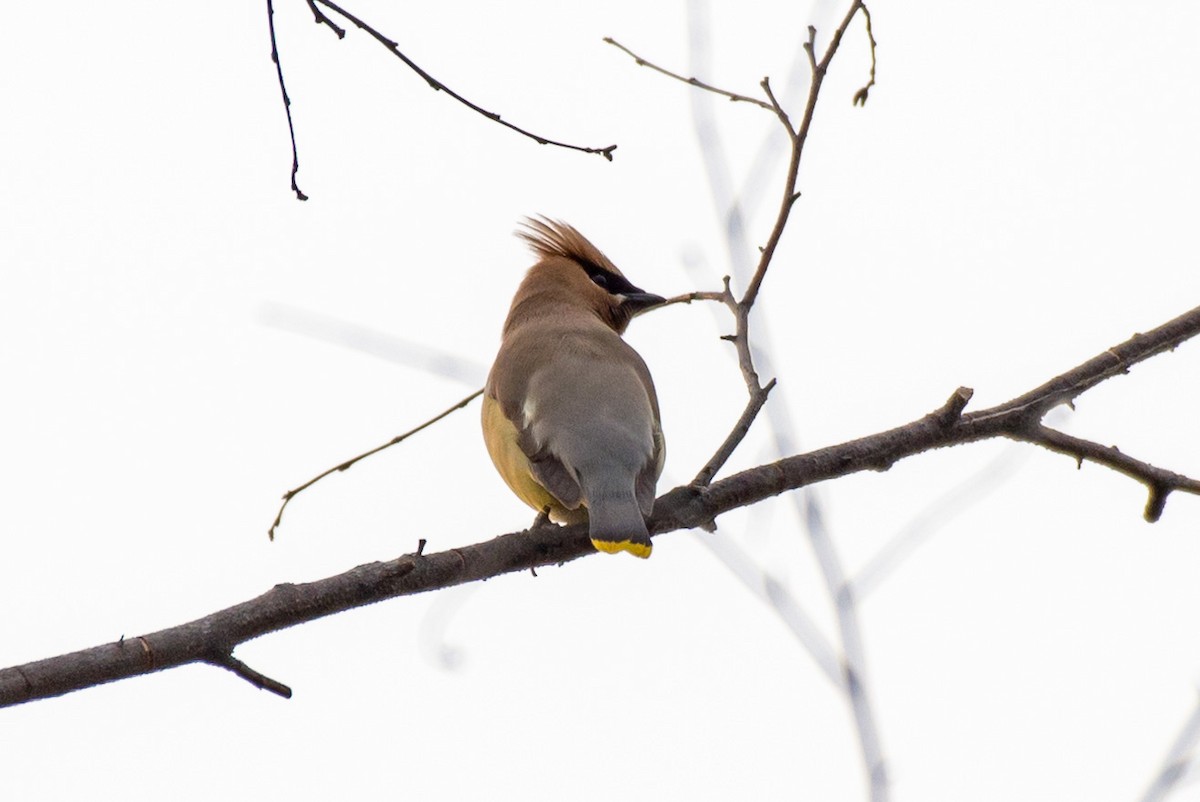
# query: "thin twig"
x,y
289,495
688,297
394,48
789,192
799,137
696,82
860,97
321,19
287,102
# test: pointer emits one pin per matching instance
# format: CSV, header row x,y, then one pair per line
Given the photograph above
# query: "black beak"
x,y
638,301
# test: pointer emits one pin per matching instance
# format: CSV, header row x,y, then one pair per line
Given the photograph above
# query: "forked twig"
x,y
393,47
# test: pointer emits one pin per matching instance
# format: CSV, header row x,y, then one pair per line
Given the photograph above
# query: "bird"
x,y
570,414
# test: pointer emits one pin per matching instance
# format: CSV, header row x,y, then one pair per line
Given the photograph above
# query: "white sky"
x,y
1019,193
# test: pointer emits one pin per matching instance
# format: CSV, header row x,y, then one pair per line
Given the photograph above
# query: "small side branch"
x,y
289,495
952,410
689,297
260,681
287,101
696,82
1158,481
320,18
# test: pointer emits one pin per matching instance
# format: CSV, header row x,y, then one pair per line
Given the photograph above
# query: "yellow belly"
x,y
500,436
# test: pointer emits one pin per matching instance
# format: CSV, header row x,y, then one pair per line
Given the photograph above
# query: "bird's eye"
x,y
601,280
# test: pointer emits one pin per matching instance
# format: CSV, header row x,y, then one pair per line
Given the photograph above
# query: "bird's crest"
x,y
550,238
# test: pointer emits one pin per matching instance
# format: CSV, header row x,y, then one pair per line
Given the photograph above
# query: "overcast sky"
x,y
182,341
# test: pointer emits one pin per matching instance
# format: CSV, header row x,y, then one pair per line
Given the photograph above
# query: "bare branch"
x,y
289,495
799,137
1011,419
394,48
682,508
287,102
696,82
688,297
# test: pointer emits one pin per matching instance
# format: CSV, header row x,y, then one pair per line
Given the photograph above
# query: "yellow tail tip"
x,y
613,546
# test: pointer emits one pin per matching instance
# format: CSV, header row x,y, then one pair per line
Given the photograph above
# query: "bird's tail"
x,y
616,524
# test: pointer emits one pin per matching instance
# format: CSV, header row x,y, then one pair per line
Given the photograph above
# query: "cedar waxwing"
x,y
570,416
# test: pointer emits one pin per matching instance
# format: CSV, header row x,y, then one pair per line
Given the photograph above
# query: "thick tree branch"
x,y
211,639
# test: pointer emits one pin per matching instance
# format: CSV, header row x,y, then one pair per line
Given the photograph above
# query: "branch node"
x,y
952,410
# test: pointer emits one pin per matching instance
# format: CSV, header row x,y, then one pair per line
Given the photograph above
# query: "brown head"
x,y
572,274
